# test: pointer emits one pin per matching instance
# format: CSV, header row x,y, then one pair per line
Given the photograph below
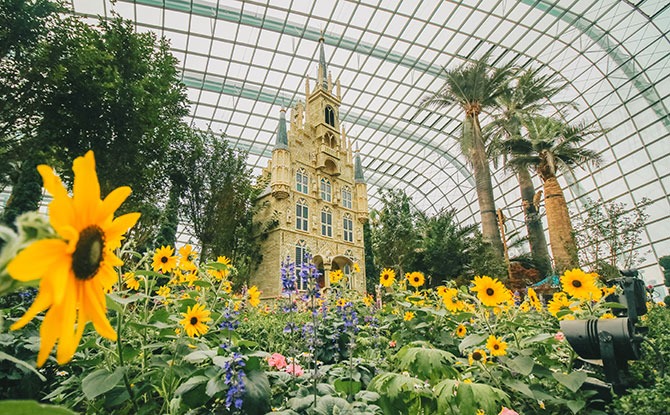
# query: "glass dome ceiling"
x,y
243,61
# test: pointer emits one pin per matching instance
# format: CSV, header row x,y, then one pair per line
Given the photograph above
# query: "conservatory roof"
x,y
243,61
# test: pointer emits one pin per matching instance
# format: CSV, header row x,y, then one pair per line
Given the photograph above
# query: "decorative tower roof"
x,y
282,138
358,169
323,71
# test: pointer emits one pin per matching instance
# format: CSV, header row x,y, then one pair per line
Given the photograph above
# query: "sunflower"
x,y
357,267
408,316
368,300
163,291
220,274
416,279
77,269
461,330
335,276
130,281
496,346
441,290
450,300
254,296
525,307
341,302
194,319
478,355
534,299
164,260
558,303
387,277
580,285
491,292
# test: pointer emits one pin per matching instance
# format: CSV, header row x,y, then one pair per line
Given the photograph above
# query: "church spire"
x,y
282,138
358,169
323,71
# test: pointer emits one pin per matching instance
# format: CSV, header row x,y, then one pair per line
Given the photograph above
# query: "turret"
x,y
280,179
361,190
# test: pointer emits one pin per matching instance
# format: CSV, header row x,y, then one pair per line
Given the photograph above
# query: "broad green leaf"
x,y
520,387
537,338
521,364
613,305
199,355
468,397
192,392
257,393
393,384
124,301
573,381
100,381
576,406
426,363
31,408
347,386
5,356
471,340
214,386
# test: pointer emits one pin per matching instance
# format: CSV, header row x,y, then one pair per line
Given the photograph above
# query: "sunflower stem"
x,y
126,381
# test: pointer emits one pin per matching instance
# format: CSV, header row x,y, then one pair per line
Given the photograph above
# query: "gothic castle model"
x,y
317,191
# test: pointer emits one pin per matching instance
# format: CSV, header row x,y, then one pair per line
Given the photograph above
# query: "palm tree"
x,y
528,97
551,146
475,87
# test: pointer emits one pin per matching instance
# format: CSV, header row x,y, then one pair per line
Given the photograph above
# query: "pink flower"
x,y
507,411
392,343
295,369
559,336
277,360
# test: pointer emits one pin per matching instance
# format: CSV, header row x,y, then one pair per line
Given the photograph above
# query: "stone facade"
x,y
317,193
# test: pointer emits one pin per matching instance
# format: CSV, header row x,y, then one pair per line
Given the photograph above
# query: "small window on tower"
x,y
330,116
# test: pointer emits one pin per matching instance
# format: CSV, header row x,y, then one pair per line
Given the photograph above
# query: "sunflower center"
x,y
576,283
164,259
490,291
87,254
194,321
477,356
496,346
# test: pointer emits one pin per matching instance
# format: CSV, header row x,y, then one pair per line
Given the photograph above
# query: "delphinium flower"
x,y
164,259
491,292
387,277
234,378
581,285
194,320
288,277
77,268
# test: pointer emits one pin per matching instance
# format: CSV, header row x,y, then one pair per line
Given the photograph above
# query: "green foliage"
x,y
31,408
609,235
26,193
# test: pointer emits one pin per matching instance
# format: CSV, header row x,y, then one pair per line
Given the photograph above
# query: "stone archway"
x,y
318,262
345,264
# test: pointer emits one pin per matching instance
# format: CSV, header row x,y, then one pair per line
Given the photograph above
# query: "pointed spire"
x,y
282,138
323,71
358,168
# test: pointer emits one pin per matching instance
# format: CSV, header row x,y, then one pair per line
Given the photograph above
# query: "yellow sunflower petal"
x,y
59,281
52,182
112,202
67,341
93,305
34,261
62,216
67,347
106,276
49,332
114,232
86,189
41,303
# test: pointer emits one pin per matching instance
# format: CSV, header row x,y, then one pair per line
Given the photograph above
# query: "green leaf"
x,y
5,356
192,391
124,301
100,381
214,386
468,397
199,356
257,395
519,386
471,340
426,362
347,386
573,381
523,365
31,408
576,406
613,305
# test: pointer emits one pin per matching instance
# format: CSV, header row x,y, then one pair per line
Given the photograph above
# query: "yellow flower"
x,y
131,282
490,292
163,291
164,261
408,316
480,411
368,300
416,279
534,300
220,274
357,267
194,319
496,346
525,307
187,257
450,300
478,355
341,302
461,330
387,277
441,290
336,276
254,296
580,285
78,268
560,302
607,316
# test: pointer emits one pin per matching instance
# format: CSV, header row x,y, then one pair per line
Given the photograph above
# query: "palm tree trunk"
x,y
536,238
482,173
562,240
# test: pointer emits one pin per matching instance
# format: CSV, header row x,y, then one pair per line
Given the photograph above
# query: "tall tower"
x,y
317,194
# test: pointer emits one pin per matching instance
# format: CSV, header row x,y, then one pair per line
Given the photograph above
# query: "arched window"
x,y
300,251
348,226
326,190
301,215
330,116
302,181
346,197
327,222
